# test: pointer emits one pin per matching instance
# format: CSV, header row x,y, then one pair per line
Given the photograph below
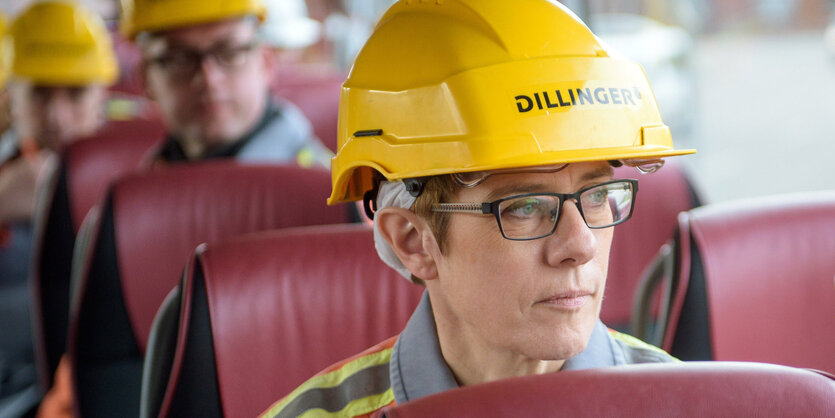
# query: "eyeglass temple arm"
x,y
483,208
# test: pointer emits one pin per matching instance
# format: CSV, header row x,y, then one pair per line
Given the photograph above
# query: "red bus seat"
x,y
661,196
753,281
118,149
317,96
86,168
262,314
709,389
133,253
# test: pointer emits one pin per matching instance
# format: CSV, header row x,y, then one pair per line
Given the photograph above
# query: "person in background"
x,y
62,64
206,68
484,154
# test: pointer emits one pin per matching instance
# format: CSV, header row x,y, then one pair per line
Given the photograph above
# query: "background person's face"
x,y
54,116
217,103
540,298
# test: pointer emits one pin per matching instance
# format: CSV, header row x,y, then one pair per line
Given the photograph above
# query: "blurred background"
x,y
749,83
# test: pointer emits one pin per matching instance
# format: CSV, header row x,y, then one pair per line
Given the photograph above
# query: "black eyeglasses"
x,y
181,63
531,216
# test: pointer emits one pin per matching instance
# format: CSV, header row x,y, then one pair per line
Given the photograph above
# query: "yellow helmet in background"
x,y
62,43
5,52
468,85
156,15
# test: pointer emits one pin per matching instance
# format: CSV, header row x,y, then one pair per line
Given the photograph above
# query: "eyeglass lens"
x,y
534,216
184,62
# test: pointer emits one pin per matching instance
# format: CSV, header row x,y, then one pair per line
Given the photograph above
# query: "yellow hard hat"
x,y
450,86
155,15
62,43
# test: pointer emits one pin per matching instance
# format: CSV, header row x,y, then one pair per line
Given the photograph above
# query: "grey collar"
x,y
417,367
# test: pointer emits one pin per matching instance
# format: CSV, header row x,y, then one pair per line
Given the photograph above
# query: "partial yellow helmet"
x,y
159,15
62,43
5,51
447,86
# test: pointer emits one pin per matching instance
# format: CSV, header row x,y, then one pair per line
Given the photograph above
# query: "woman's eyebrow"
x,y
602,172
515,189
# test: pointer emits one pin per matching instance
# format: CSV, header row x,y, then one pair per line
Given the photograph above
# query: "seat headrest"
x,y
92,163
767,266
161,216
286,304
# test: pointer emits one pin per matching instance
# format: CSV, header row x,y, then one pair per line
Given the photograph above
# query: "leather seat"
x,y
256,316
133,251
317,96
86,168
661,197
753,280
708,389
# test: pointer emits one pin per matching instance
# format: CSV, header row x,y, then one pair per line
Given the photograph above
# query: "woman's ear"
x,y
411,239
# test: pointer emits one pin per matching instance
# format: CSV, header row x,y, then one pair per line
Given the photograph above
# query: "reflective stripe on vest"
x,y
358,386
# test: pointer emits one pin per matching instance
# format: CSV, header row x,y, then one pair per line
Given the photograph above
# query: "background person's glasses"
x,y
183,63
535,215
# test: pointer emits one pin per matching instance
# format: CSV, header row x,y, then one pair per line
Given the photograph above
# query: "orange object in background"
x,y
57,403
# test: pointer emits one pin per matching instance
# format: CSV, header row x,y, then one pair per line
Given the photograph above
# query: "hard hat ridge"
x,y
493,34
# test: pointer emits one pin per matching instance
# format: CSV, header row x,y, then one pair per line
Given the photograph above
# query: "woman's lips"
x,y
567,300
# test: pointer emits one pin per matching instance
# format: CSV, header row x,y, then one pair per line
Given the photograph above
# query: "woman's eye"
x,y
523,208
595,197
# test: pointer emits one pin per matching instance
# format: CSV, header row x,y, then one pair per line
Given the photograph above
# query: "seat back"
x,y
86,168
755,282
317,96
647,390
661,196
270,310
136,249
118,149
